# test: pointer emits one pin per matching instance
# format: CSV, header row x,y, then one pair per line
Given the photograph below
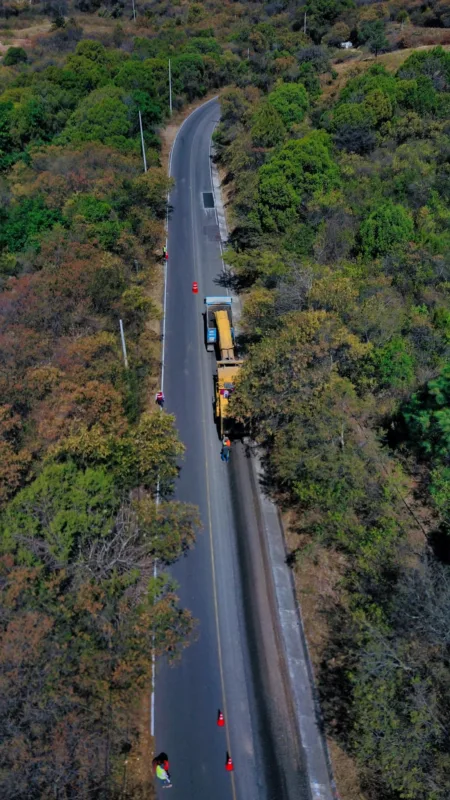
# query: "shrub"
x,y
290,100
388,227
267,128
15,55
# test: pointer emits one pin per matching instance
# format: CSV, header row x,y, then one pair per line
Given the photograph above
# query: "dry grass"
x,y
360,61
22,37
318,573
345,773
138,776
22,33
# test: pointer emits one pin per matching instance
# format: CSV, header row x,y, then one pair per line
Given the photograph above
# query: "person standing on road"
x,y
226,446
161,768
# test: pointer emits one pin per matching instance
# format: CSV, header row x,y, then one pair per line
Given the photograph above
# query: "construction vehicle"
x,y
225,383
219,325
220,337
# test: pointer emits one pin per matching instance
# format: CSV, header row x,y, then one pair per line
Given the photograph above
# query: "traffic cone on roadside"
x,y
229,764
220,719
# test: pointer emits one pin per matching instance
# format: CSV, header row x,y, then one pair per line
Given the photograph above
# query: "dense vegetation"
x,y
80,455
341,247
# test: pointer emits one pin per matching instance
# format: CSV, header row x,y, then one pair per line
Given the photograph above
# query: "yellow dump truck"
x,y
225,381
226,335
220,337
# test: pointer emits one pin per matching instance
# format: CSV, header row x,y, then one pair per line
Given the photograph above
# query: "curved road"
x,y
234,664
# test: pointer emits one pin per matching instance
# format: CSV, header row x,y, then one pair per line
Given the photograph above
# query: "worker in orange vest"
x,y
226,446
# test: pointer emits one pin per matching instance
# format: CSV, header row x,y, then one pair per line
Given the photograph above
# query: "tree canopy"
x,y
341,252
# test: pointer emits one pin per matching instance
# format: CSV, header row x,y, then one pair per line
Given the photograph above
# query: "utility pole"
x,y
170,88
142,141
134,11
124,347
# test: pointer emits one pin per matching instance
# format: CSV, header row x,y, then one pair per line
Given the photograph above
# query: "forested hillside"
x,y
81,449
340,213
341,248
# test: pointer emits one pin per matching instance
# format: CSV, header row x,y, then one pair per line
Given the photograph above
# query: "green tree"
x,y
340,32
146,455
374,35
418,94
278,203
379,105
150,189
427,417
353,125
137,308
322,14
375,78
25,221
15,55
402,17
136,75
6,140
267,128
287,368
107,283
86,67
169,528
29,121
63,506
188,76
433,64
397,728
388,227
291,102
88,208
440,493
42,112
394,364
100,117
302,168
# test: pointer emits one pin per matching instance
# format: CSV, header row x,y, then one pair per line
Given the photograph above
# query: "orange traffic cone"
x,y
220,719
229,764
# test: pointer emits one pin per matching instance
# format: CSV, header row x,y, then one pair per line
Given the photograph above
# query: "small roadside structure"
x,y
346,45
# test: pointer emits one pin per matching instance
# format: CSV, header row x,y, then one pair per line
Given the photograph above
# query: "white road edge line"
x,y
163,353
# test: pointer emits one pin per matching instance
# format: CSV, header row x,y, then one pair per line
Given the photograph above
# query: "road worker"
x,y
160,399
226,446
161,768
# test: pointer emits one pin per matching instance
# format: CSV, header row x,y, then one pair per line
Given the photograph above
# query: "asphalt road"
x,y
234,664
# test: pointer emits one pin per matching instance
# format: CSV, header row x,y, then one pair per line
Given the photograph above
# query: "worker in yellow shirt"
x,y
161,768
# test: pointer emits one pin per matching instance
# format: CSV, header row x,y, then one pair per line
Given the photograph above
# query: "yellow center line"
x,y
216,605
